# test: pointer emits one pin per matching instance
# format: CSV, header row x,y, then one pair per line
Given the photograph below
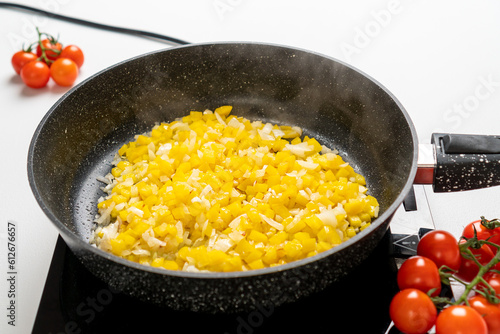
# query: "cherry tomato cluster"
x,y
45,59
473,260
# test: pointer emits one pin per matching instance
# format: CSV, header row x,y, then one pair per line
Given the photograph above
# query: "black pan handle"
x,y
461,162
134,32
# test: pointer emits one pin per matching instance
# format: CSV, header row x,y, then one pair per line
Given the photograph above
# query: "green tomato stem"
x,y
490,224
479,277
44,49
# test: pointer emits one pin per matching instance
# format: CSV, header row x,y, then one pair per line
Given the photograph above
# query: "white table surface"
x,y
441,59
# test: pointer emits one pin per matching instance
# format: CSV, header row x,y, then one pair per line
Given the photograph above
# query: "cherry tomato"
x,y
468,268
441,247
64,71
460,319
52,50
21,58
420,273
490,313
35,74
493,279
412,311
74,53
483,233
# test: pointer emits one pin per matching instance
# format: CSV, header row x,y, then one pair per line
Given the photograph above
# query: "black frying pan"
x,y
339,105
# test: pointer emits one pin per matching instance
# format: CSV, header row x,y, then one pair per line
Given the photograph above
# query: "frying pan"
x,y
339,105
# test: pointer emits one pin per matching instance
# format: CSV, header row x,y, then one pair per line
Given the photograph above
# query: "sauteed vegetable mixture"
x,y
217,192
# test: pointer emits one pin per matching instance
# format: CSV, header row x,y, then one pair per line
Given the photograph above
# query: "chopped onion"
x,y
272,222
328,217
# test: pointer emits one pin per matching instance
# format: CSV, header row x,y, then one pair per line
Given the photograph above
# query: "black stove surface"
x,y
75,301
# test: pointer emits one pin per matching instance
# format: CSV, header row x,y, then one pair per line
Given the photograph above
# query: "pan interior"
x,y
341,107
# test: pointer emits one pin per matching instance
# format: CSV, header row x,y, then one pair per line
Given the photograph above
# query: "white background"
x,y
441,59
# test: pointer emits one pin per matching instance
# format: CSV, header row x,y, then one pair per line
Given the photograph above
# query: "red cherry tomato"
x,y
460,319
412,311
483,233
64,71
35,74
21,58
490,313
52,50
441,247
420,273
74,53
468,268
493,279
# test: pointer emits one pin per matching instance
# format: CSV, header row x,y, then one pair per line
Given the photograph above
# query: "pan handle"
x,y
134,32
456,162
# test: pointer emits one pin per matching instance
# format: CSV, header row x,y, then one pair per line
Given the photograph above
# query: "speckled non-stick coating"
x,y
339,105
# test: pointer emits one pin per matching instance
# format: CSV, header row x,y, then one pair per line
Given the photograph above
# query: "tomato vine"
x,y
478,266
46,58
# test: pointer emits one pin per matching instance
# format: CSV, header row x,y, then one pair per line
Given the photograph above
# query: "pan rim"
x,y
68,234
